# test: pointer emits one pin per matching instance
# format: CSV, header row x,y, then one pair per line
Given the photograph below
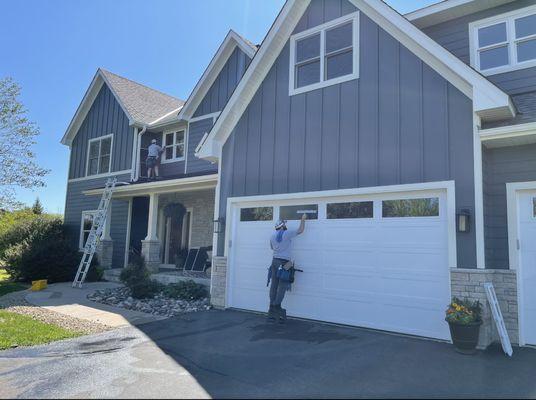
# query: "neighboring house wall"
x,y
399,123
104,117
224,85
77,202
196,131
503,165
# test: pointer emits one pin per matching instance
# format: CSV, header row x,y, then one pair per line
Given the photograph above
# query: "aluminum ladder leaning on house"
x,y
99,221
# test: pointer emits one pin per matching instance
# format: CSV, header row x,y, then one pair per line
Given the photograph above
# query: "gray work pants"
x,y
278,287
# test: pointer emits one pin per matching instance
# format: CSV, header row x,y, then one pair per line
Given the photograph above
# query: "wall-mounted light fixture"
x,y
463,221
219,225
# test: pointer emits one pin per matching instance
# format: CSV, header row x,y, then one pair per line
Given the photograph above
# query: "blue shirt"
x,y
154,150
282,249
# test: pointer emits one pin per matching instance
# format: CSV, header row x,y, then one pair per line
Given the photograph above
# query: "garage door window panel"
x,y
358,209
404,208
256,214
290,213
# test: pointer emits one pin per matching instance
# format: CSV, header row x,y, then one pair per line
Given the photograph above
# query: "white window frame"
x,y
82,230
354,18
100,139
511,41
184,141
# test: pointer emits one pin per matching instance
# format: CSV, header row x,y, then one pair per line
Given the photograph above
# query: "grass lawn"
x,y
6,286
20,330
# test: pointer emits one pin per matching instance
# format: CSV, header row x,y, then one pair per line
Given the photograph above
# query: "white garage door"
x,y
378,261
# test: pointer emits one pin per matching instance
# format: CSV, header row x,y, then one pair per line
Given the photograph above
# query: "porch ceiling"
x,y
165,186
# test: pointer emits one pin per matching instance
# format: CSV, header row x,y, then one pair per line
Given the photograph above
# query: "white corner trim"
x,y
485,95
127,238
321,29
226,48
99,139
91,177
479,196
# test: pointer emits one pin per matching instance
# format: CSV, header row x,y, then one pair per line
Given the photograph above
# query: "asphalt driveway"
x,y
237,354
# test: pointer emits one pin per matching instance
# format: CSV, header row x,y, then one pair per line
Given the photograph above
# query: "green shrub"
x,y
136,277
39,249
186,290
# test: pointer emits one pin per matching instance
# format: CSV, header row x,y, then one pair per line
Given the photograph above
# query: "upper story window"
x,y
174,146
99,160
504,43
325,55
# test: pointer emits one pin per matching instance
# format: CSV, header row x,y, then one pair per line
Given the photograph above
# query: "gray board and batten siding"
x,y
77,202
225,84
103,118
399,123
196,131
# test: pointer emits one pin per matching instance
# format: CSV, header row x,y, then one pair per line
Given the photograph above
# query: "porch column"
x,y
150,247
105,247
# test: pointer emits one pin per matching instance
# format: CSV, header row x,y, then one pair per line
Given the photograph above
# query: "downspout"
x,y
138,153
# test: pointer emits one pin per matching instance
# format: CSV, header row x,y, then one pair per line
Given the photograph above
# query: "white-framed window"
x,y
325,55
505,42
174,145
99,155
85,226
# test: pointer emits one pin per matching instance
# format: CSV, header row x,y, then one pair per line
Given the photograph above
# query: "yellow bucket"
x,y
39,285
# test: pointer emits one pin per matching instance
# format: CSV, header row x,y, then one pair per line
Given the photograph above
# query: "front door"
x,y
176,237
527,265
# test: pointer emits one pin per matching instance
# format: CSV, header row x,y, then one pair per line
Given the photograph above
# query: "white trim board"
x,y
489,102
231,41
510,135
90,177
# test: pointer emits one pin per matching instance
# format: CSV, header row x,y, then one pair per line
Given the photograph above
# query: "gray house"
x,y
410,141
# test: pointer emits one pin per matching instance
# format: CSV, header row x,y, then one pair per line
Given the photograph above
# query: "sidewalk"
x,y
64,299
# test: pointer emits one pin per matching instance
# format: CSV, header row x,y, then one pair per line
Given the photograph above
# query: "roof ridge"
x,y
140,84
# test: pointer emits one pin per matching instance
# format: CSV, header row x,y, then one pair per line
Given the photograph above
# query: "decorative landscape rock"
x,y
157,305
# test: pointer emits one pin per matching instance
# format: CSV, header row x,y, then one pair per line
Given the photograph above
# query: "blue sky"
x,y
53,48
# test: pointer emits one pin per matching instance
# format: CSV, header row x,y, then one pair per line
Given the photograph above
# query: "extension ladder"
x,y
99,221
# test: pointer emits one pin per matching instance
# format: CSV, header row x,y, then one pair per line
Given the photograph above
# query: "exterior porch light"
x,y
463,221
219,225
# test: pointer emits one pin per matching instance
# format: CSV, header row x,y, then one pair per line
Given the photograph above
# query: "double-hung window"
x,y
85,226
505,43
174,144
99,160
324,55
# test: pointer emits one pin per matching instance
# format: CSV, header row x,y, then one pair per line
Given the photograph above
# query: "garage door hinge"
x,y
518,245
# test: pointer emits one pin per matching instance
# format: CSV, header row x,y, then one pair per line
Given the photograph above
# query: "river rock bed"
x,y
157,305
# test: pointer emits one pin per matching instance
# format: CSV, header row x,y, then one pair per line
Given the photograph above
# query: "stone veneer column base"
x,y
105,252
468,283
150,250
218,282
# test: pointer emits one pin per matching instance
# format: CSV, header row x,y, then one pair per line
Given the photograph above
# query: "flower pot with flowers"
x,y
464,318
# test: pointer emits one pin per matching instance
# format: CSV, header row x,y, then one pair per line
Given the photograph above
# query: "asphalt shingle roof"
x,y
144,104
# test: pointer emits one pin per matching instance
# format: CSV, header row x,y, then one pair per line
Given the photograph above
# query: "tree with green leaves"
x,y
37,207
18,167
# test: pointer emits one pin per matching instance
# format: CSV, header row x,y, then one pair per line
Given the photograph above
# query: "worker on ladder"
x,y
153,160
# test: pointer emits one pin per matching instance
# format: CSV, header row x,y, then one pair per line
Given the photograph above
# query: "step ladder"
x,y
99,221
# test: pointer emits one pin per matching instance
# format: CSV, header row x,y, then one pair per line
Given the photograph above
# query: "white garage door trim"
x,y
374,193
512,196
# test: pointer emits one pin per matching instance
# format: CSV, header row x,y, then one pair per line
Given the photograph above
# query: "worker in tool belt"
x,y
280,243
153,155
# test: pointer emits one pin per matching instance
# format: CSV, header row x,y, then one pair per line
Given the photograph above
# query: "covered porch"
x,y
170,223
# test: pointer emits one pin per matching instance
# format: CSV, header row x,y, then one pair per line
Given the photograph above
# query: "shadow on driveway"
x,y
239,354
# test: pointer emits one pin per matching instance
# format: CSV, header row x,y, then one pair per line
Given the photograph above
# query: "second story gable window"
x,y
99,159
504,43
324,55
174,145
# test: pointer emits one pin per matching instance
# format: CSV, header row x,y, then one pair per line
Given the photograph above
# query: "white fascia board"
x,y
231,41
85,105
509,135
485,95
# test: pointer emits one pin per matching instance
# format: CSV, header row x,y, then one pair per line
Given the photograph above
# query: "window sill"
x,y
320,85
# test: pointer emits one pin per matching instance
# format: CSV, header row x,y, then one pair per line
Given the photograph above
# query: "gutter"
x,y
138,154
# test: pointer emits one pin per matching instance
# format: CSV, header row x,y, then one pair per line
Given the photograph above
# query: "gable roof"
x,y
449,9
141,104
231,41
489,102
